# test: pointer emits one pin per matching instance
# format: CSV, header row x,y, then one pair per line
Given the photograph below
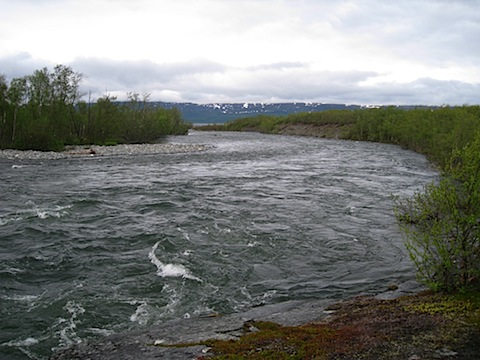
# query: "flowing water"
x,y
98,245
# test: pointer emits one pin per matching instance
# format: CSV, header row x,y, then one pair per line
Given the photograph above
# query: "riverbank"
x,y
321,130
421,326
393,325
95,150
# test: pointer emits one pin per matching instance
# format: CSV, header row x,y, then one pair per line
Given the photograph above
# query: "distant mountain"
x,y
220,113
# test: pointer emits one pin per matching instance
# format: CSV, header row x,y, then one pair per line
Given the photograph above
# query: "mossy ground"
x,y
424,326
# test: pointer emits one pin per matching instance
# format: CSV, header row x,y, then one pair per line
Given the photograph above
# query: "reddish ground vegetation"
x,y
425,326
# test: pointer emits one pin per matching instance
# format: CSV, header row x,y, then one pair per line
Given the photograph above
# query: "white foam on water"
x,y
141,314
42,212
30,341
21,298
23,346
184,233
246,293
31,302
13,271
169,270
145,313
187,252
246,300
55,212
269,294
8,220
173,270
173,299
224,230
67,332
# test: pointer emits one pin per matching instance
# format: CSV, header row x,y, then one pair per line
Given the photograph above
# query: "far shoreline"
x,y
102,150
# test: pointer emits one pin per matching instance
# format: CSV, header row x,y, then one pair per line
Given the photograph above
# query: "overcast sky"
x,y
335,51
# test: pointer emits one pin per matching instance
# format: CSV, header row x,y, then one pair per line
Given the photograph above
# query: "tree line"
x,y
442,221
46,111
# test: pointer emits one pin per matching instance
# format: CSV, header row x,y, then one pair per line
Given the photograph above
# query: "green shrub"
x,y
442,224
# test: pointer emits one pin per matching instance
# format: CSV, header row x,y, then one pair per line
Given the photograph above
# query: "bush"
x,y
442,224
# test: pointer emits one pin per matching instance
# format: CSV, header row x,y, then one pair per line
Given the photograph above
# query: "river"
x,y
92,246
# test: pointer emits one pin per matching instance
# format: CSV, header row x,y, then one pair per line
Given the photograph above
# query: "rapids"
x,y
97,245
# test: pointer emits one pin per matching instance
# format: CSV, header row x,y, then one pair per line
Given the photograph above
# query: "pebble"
x,y
94,150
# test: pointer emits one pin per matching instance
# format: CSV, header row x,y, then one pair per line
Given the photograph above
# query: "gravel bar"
x,y
94,150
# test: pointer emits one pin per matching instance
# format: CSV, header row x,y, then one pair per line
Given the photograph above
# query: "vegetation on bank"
x,y
442,224
45,111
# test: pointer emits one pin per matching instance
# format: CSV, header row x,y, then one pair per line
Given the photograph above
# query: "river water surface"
x,y
97,245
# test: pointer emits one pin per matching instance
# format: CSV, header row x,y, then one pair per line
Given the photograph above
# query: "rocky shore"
x,y
413,327
184,339
181,339
95,150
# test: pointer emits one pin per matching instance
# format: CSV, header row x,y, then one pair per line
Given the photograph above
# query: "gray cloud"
x,y
403,39
430,31
21,64
205,81
103,75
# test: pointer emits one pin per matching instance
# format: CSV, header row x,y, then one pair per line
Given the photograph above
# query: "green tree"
x,y
3,106
39,91
65,85
17,96
65,95
107,120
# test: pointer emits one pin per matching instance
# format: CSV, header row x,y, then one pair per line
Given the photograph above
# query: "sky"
x,y
366,52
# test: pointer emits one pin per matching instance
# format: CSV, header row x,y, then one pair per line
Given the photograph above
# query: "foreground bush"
x,y
442,224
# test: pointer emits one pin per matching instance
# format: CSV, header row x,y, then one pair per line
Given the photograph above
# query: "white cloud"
x,y
364,51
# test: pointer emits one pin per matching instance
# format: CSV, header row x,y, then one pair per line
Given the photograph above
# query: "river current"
x,y
97,245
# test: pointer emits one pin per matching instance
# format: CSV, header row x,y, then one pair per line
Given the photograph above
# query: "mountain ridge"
x,y
216,113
